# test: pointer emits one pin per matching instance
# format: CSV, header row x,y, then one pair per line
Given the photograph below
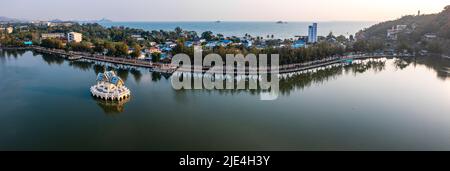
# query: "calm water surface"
x,y
382,104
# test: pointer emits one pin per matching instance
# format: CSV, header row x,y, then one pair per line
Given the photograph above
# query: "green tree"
x,y
136,52
52,43
434,47
208,35
121,49
404,46
81,47
99,47
110,48
341,38
178,30
156,57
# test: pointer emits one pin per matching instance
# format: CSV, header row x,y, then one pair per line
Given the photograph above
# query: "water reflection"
x,y
405,105
136,74
82,65
112,108
436,63
12,53
52,59
305,79
288,82
98,69
401,63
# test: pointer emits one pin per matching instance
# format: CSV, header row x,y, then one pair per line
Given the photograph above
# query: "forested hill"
x,y
420,25
412,33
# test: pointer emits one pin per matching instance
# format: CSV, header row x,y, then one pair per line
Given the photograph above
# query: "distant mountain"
x,y
56,21
10,20
104,20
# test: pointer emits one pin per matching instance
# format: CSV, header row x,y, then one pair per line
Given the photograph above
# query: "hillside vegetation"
x,y
413,38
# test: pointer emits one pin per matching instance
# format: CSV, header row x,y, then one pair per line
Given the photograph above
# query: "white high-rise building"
x,y
312,33
74,37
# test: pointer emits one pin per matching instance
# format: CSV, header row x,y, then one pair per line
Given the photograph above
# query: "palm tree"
x,y
178,30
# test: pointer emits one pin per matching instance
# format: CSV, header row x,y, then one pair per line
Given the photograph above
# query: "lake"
x,y
375,104
289,30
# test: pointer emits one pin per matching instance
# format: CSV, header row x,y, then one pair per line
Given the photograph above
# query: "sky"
x,y
212,10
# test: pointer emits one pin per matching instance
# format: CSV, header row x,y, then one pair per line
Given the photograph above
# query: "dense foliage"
x,y
129,42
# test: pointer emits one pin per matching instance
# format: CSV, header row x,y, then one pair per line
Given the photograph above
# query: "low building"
x,y
247,43
401,27
137,37
225,42
28,43
130,50
166,49
41,23
152,50
141,56
9,30
170,44
188,43
74,37
430,36
392,34
53,36
211,44
299,44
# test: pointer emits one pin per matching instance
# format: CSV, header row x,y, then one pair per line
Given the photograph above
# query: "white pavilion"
x,y
110,87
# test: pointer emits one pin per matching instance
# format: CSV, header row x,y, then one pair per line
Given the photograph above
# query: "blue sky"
x,y
211,10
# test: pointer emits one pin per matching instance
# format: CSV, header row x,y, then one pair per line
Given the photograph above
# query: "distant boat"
x,y
218,21
281,22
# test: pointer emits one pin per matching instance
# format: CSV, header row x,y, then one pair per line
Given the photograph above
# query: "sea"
x,y
281,31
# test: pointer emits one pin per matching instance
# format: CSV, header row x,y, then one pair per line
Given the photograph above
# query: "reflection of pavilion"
x,y
110,87
112,107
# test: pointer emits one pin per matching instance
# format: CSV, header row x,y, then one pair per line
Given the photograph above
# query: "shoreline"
x,y
168,68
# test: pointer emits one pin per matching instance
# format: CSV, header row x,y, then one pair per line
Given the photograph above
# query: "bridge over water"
x,y
167,68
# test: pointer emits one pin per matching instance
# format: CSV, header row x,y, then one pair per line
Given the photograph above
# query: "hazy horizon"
x,y
224,10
